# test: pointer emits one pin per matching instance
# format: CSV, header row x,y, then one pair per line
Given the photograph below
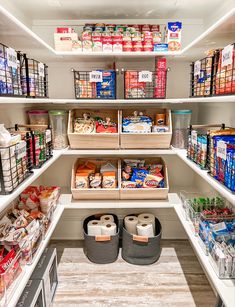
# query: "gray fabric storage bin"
x,y
142,253
101,252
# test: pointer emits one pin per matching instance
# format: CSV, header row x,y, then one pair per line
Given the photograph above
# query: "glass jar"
x,y
59,123
181,120
38,117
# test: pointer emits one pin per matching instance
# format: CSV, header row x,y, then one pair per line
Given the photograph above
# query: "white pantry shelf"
x,y
117,152
5,200
114,102
68,203
16,289
182,154
225,288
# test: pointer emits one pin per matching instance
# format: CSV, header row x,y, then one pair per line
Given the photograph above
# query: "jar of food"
x,y
38,117
181,120
59,122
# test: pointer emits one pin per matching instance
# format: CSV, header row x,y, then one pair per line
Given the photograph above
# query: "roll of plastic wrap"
x,y
106,218
147,218
145,229
109,229
94,228
130,223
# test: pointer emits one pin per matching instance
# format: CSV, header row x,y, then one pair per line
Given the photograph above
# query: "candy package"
x,y
138,123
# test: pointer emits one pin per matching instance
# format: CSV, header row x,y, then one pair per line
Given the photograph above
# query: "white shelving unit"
x,y
22,34
18,286
225,288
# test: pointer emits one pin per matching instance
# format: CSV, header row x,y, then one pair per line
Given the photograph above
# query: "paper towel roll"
x,y
130,223
107,218
94,228
147,218
145,229
109,229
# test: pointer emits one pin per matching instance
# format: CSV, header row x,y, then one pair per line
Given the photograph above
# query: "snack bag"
x,y
81,181
109,180
85,124
95,181
105,126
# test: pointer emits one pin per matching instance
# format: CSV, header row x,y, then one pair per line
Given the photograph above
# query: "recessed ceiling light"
x,y
54,3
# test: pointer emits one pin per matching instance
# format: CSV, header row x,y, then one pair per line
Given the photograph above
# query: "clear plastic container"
x,y
59,122
181,120
38,117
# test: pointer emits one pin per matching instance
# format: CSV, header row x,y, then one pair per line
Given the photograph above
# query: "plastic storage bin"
x,y
101,249
142,250
59,123
38,117
180,122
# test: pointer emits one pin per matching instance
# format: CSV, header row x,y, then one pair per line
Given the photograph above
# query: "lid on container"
x,y
182,111
57,112
38,112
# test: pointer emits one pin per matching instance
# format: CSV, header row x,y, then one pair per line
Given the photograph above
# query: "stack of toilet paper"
x,y
141,225
104,226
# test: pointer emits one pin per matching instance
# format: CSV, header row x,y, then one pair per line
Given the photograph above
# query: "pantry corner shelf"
x,y
225,288
16,289
5,200
182,154
68,203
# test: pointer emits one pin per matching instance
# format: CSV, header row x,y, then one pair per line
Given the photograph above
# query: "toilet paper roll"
x,y
109,229
145,229
107,218
147,218
94,228
130,223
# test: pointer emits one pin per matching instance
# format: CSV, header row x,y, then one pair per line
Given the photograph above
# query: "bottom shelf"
x,y
225,288
16,289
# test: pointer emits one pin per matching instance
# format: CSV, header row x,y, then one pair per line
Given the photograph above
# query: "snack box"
x,y
174,36
146,140
94,193
93,140
64,41
147,193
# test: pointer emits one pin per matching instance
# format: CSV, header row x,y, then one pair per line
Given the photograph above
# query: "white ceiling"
x,y
121,9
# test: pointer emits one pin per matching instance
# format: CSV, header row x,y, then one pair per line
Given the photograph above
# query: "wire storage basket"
x,y
202,77
198,149
224,71
97,84
11,63
145,84
15,165
34,78
40,142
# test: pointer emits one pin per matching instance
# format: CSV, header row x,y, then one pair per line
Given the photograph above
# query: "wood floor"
x,y
176,279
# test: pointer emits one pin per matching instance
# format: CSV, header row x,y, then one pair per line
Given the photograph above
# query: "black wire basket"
x,y
10,76
201,82
136,88
223,77
15,165
34,78
86,87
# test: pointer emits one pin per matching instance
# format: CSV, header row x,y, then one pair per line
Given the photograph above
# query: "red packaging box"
x,y
160,80
127,46
137,46
64,30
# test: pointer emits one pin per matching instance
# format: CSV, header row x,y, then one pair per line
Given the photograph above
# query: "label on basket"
x,y
140,238
102,238
96,76
194,137
227,56
41,71
48,135
145,76
11,58
197,68
20,150
221,150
